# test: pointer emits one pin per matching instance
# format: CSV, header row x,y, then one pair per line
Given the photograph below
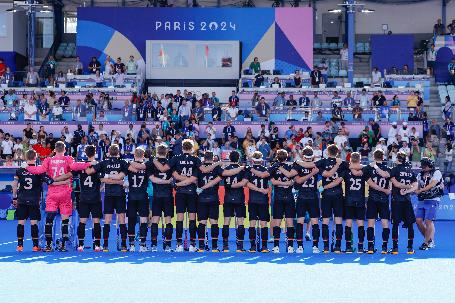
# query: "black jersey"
x,y
382,182
308,190
113,166
160,190
263,183
137,185
186,165
281,193
354,188
209,194
234,195
89,186
403,174
29,187
326,165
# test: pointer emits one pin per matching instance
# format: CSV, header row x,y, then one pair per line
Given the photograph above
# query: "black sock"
x,y
316,234
48,231
264,236
410,235
361,234
348,236
193,229
131,229
106,231
123,234
240,233
338,234
201,235
276,235
169,231
299,234
385,236
97,233
179,232
290,235
214,232
34,232
395,234
325,234
252,235
81,233
225,234
20,234
370,235
143,232
153,233
65,223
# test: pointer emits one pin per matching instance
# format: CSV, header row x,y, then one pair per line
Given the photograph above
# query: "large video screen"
x,y
183,59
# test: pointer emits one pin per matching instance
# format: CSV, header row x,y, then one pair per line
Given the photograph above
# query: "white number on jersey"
x,y
308,183
380,181
58,171
356,184
141,180
28,184
187,172
88,181
260,181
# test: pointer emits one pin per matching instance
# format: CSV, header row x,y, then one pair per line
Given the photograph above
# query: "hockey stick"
x,y
117,232
185,241
163,231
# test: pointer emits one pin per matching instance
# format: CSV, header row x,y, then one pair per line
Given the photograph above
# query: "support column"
x,y
31,19
444,13
351,39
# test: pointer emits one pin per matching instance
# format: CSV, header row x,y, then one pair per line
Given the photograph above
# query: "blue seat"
x,y
316,45
333,46
367,47
360,47
325,45
343,73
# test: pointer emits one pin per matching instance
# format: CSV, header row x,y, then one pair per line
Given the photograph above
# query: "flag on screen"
x,y
162,55
206,55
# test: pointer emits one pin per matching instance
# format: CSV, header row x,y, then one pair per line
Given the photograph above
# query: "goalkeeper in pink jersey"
x,y
59,168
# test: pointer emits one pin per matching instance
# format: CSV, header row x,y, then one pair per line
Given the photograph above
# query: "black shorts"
x,y
354,212
234,209
85,209
258,212
185,203
207,210
117,203
163,205
140,207
283,208
332,204
375,208
402,211
28,211
308,205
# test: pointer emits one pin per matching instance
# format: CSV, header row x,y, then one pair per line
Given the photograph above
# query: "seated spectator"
x,y
276,83
319,117
405,149
61,79
315,77
94,65
198,112
429,152
216,112
259,79
280,100
336,99
451,27
348,101
412,101
357,112
337,114
131,66
376,77
10,99
316,102
324,68
30,111
263,132
451,69
291,132
304,101
263,109
119,79
234,99
64,100
43,109
395,102
291,101
340,139
32,79
232,112
405,70
57,112
297,79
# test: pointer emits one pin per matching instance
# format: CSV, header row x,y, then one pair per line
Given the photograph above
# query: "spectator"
x,y
255,66
276,83
264,148
43,109
363,100
214,98
447,109
108,67
94,65
216,112
315,77
382,145
51,66
30,111
61,79
254,99
57,112
198,112
378,99
228,130
449,129
291,102
10,99
405,70
340,139
357,112
438,28
344,57
416,153
32,79
291,132
324,68
448,158
280,100
405,149
297,79
304,101
429,152
263,109
337,114
234,99
7,146
348,101
99,79
80,111
376,77
316,102
412,101
78,67
431,58
435,128
2,67
232,112
336,99
184,111
451,68
319,117
131,66
64,100
451,27
7,78
119,78
263,132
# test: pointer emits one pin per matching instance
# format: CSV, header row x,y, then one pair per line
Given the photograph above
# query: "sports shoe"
x,y
105,249
192,248
326,250
424,246
36,249
299,250
290,250
215,250
349,250
200,250
431,244
276,250
371,249
239,250
132,248
48,248
315,250
143,248
307,237
19,248
97,249
337,250
265,250
80,248
410,251
384,250
62,249
252,249
124,249
394,251
360,249
179,248
168,249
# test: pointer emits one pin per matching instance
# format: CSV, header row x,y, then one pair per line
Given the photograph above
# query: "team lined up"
x,y
196,184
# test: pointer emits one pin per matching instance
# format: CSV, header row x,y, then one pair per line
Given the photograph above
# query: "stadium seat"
x,y
360,47
324,46
340,45
333,46
367,47
343,73
317,45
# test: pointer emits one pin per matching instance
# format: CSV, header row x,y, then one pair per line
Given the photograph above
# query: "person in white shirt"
x,y
68,135
393,132
211,130
404,132
344,57
340,139
30,111
216,150
232,111
414,133
263,132
376,77
131,131
101,130
57,111
405,148
382,146
119,79
364,102
7,146
431,58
